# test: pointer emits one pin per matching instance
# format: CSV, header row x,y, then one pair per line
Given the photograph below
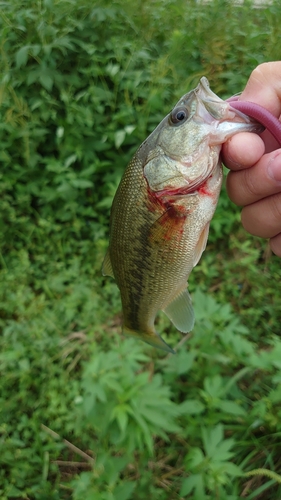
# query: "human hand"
x,y
255,162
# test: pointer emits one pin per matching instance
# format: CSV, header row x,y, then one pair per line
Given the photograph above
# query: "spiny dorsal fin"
x,y
180,312
106,266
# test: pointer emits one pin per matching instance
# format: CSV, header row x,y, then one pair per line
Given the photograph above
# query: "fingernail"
x,y
274,168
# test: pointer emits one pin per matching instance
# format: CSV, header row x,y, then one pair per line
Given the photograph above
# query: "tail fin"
x,y
152,338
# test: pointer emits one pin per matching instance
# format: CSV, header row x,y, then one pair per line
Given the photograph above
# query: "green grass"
x,y
85,413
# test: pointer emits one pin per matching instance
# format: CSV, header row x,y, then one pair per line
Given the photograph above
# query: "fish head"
x,y
183,151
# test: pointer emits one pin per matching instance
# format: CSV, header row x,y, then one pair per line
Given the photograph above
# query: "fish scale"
x,y
162,209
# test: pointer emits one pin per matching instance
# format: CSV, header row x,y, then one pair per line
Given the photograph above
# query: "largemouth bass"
x,y
162,209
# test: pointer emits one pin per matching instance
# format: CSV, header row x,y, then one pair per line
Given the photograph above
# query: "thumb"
x,y
264,87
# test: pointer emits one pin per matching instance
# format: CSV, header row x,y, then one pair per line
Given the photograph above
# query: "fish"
x,y
162,209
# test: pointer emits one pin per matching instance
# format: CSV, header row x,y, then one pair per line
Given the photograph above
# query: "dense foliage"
x,y
85,413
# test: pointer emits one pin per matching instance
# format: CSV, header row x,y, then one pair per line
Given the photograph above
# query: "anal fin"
x,y
180,312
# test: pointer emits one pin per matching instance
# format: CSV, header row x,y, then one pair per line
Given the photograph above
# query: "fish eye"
x,y
179,115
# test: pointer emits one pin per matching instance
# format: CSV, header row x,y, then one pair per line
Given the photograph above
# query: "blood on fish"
x,y
204,190
176,230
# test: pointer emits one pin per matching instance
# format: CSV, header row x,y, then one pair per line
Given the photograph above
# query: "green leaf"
x,y
211,439
46,80
124,491
192,407
22,56
13,492
213,386
189,484
199,488
232,469
119,138
120,413
145,430
194,458
182,362
220,452
231,407
81,183
70,160
35,49
129,129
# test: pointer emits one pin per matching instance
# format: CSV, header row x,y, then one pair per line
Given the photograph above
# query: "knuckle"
x,y
260,71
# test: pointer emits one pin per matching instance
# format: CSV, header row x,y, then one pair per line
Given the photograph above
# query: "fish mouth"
x,y
214,105
225,120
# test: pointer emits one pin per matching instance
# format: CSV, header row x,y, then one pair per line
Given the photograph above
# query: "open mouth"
x,y
211,107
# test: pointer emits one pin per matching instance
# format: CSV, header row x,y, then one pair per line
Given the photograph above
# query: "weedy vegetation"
x,y
84,413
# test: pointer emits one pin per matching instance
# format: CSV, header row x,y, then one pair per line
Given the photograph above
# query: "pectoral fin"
x,y
107,266
152,338
180,312
201,244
